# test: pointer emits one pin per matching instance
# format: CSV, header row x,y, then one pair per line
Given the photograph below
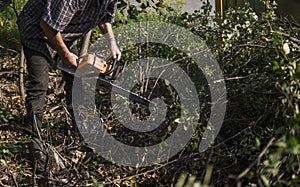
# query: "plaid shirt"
x,y
72,18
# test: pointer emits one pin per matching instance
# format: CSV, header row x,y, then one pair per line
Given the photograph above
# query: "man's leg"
x,y
69,79
38,79
68,89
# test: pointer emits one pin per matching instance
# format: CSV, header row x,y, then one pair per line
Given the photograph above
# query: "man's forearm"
x,y
55,39
106,29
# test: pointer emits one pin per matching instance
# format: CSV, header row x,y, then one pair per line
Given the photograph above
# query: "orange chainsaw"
x,y
95,67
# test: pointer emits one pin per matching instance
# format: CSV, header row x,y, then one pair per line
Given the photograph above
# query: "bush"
x,y
259,56
9,34
260,59
259,140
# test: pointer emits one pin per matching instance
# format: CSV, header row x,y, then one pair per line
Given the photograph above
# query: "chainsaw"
x,y
95,67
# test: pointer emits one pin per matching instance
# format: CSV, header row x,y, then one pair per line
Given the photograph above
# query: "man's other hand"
x,y
69,59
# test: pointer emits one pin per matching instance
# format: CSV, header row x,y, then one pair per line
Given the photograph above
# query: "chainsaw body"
x,y
96,63
92,67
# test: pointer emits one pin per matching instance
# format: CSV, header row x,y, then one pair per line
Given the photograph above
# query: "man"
x,y
49,28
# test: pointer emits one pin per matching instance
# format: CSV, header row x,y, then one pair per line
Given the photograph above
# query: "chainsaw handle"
x,y
112,69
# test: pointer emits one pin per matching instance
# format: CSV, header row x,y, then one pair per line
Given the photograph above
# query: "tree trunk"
x,y
85,44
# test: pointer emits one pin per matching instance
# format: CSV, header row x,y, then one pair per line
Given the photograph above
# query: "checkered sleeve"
x,y
110,12
59,13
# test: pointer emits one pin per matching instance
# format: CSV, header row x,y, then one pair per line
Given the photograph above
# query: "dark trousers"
x,y
38,67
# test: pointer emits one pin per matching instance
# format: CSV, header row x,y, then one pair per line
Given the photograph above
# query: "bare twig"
x,y
5,5
241,175
7,72
14,179
22,72
253,45
148,171
288,36
8,49
232,137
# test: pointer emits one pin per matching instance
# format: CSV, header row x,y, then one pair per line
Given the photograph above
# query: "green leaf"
x,y
181,180
265,180
177,120
276,65
4,163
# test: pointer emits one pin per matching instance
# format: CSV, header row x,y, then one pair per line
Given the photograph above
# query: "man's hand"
x,y
115,52
69,59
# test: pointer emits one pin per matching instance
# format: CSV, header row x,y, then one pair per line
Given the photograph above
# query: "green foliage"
x,y
282,162
259,143
9,34
144,10
259,56
7,114
186,180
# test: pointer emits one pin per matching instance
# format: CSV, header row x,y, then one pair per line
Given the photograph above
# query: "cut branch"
x,y
8,49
